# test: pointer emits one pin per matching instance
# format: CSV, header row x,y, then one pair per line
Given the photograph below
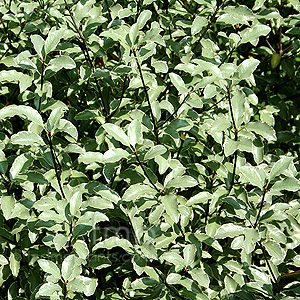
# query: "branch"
x,y
143,168
260,207
147,96
212,18
42,84
121,98
87,57
55,164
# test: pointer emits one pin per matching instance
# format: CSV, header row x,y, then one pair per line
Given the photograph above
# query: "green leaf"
x,y
39,45
171,205
247,67
133,33
254,175
3,162
230,284
61,62
26,138
14,263
54,118
70,268
178,83
91,157
3,260
200,277
53,39
274,250
81,249
136,191
75,202
262,129
174,259
229,230
7,206
155,151
134,132
198,23
49,289
184,181
20,164
114,242
280,166
49,267
173,278
23,111
201,197
252,35
287,184
60,241
114,155
117,132
143,18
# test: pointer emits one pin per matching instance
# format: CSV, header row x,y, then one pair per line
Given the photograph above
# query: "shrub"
x,y
149,149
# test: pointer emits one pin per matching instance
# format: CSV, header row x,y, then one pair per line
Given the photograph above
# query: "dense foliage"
x,y
149,149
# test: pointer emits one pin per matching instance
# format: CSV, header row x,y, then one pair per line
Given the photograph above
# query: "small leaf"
x,y
134,132
53,39
228,230
171,205
263,129
49,267
143,18
75,202
26,138
184,181
133,33
155,151
198,24
247,67
81,249
39,45
117,133
200,277
254,175
280,166
287,184
178,83
114,155
61,62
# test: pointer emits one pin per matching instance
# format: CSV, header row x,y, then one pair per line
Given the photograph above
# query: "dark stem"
x,y
268,264
175,111
121,98
228,56
212,18
55,164
108,10
147,96
145,172
42,84
260,207
87,56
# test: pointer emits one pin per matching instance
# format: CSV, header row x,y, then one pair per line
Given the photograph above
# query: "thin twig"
x,y
147,96
42,84
49,138
228,56
88,58
212,18
146,174
108,10
121,98
175,111
260,207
